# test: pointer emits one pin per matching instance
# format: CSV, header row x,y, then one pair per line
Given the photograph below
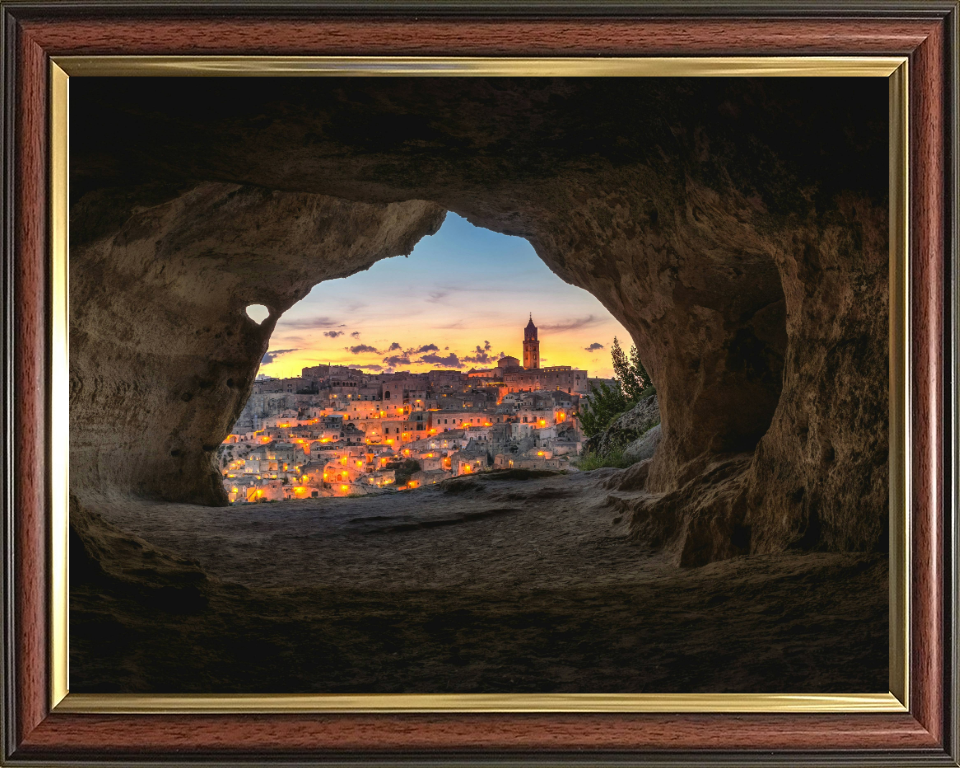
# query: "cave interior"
x,y
737,227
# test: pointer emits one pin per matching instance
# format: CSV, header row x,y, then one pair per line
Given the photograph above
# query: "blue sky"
x,y
461,298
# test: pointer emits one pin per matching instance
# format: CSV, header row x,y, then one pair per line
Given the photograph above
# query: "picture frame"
x,y
40,725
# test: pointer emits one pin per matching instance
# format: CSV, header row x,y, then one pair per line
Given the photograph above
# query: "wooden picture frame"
x,y
36,33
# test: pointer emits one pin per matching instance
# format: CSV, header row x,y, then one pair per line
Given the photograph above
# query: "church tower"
x,y
531,346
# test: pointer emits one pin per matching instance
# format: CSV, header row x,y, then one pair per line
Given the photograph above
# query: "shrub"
x,y
607,403
594,460
405,472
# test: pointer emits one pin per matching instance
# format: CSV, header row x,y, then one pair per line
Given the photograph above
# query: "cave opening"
x,y
421,369
258,313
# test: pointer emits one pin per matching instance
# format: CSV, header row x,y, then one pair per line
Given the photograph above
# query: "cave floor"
x,y
485,585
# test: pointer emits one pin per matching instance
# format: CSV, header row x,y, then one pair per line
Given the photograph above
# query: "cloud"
x,y
356,334
480,355
483,358
406,354
593,347
578,323
450,361
273,355
333,334
366,366
396,360
310,323
360,349
492,284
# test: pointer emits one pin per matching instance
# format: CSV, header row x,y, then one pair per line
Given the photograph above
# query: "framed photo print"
x,y
430,383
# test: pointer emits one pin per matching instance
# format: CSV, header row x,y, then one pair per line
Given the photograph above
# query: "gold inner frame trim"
x,y
59,430
424,66
899,421
892,68
122,703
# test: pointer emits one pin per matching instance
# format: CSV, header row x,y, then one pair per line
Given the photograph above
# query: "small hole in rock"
x,y
258,313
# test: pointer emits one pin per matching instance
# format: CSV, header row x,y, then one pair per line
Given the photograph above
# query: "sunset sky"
x,y
460,299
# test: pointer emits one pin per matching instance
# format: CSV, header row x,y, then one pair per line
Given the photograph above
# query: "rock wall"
x,y
162,352
737,228
819,477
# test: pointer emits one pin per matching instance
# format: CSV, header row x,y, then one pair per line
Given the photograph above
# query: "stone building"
x,y
557,377
337,431
531,346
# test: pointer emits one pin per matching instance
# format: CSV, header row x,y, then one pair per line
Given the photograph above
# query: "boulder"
x,y
627,428
701,521
644,447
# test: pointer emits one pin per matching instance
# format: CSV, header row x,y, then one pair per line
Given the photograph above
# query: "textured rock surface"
x,y
627,428
644,447
737,228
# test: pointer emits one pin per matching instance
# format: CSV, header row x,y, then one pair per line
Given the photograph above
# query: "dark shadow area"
x,y
544,595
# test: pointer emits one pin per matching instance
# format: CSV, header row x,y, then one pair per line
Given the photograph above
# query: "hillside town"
x,y
339,431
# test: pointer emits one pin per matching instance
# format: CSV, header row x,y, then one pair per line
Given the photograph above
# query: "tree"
x,y
630,373
606,403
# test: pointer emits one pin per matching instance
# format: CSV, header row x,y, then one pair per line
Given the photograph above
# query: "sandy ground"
x,y
487,585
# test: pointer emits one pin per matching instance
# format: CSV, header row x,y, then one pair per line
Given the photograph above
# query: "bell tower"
x,y
531,346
